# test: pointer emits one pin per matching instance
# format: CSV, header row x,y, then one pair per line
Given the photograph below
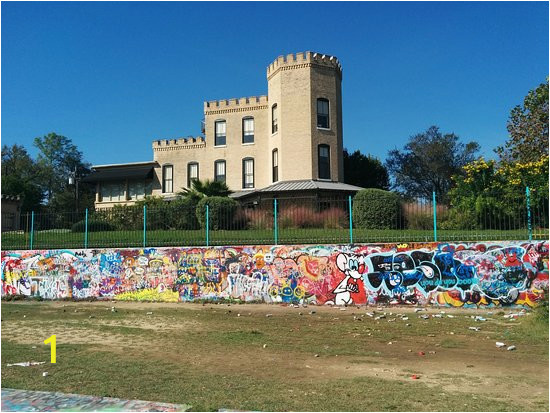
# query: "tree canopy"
x,y
21,176
207,188
528,128
365,171
428,161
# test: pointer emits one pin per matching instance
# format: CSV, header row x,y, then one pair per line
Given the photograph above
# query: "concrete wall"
x,y
487,274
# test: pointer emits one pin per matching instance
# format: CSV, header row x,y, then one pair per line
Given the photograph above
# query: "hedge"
x,y
221,213
377,209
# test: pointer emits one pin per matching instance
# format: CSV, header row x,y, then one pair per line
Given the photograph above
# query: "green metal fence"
x,y
280,221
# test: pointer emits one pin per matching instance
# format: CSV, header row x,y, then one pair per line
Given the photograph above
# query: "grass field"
x,y
53,239
236,357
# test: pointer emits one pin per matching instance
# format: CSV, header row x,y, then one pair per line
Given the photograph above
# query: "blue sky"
x,y
115,76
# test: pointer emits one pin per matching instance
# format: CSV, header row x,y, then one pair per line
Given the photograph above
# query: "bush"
x,y
93,225
259,218
122,218
221,212
377,209
334,218
458,220
299,217
184,213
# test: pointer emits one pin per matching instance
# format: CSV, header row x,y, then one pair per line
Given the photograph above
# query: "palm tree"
x,y
200,189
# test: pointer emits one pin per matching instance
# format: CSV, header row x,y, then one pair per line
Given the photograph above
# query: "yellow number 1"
x,y
51,340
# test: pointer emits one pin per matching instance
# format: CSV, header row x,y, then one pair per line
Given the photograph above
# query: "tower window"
x,y
274,126
167,179
219,171
219,139
192,173
275,164
323,119
248,173
324,162
248,130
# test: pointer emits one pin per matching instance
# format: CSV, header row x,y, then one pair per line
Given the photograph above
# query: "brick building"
x,y
290,139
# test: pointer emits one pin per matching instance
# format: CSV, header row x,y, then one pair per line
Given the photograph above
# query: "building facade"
x,y
294,133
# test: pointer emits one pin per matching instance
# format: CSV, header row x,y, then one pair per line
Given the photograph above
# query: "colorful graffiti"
x,y
507,273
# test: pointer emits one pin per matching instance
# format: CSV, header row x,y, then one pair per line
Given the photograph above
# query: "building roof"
x,y
301,185
309,184
138,170
116,165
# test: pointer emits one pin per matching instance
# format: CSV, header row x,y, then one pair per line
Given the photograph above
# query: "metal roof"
x,y
131,171
309,184
116,165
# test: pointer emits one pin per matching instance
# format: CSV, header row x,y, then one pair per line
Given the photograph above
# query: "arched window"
x,y
274,126
324,162
192,173
219,133
248,173
167,179
323,118
275,165
248,130
219,171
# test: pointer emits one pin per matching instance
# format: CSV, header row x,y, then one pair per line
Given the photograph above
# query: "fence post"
x,y
207,225
86,230
275,225
144,225
32,228
435,216
529,225
350,221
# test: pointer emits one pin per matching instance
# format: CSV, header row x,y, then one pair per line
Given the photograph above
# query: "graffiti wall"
x,y
487,274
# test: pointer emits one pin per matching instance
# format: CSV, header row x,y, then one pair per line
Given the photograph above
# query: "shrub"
x,y
259,218
221,212
93,225
458,219
334,218
184,213
299,217
122,217
377,209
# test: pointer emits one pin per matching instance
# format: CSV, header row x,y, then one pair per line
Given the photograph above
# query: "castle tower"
x,y
305,97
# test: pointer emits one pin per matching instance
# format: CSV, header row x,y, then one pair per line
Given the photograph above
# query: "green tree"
x,y
207,188
365,171
528,129
427,163
20,176
58,159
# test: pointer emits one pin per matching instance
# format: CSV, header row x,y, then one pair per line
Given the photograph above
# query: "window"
x,y
167,179
219,171
324,162
139,189
248,173
219,139
248,130
192,173
113,191
275,164
323,120
274,127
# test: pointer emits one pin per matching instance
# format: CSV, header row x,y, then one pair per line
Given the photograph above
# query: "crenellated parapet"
x,y
179,144
301,60
245,104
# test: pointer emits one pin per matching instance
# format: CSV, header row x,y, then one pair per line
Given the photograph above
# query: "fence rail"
x,y
278,221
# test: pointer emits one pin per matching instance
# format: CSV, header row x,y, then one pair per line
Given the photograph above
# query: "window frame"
x,y
253,130
275,168
244,175
274,119
164,180
216,162
327,114
319,163
189,164
216,144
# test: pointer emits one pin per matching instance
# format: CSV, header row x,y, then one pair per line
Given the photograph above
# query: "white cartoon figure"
x,y
351,286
